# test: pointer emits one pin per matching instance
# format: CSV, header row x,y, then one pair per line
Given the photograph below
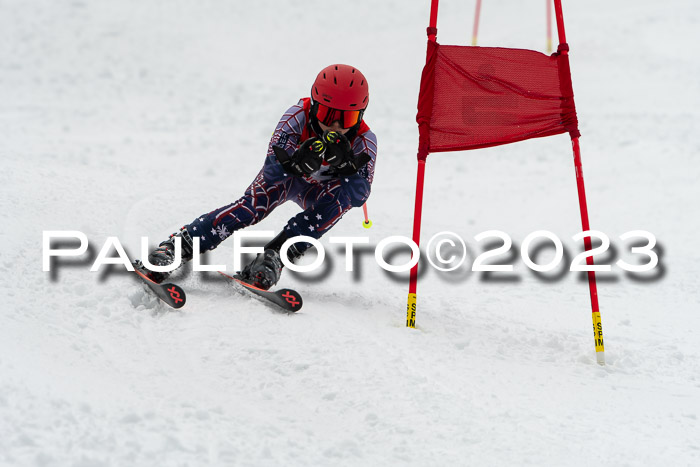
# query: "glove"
x,y
338,148
340,155
305,160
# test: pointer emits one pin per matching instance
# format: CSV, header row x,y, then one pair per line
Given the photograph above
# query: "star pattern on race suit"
x,y
311,228
306,218
222,232
319,217
194,228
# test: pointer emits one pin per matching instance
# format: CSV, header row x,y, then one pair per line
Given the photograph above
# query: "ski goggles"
x,y
328,115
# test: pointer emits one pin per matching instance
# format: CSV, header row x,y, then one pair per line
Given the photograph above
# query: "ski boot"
x,y
266,268
264,271
165,254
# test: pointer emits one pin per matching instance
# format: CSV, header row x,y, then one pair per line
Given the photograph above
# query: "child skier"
x,y
321,156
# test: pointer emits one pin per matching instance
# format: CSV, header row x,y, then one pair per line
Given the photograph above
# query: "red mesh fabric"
x,y
475,97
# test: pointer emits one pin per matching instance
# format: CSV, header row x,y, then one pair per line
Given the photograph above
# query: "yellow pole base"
x,y
411,311
598,338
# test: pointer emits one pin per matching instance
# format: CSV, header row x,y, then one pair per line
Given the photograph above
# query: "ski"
x,y
287,299
171,294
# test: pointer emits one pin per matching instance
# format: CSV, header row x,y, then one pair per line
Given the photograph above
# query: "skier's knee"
x,y
246,213
357,192
356,198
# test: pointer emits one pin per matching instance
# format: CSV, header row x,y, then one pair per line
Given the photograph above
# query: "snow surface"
x,y
129,118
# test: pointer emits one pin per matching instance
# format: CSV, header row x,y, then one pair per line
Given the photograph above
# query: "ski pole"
x,y
475,30
367,223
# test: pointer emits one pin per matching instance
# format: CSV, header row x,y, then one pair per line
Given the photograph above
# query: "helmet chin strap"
x,y
315,126
350,135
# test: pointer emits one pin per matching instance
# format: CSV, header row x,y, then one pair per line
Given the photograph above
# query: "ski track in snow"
x,y
127,119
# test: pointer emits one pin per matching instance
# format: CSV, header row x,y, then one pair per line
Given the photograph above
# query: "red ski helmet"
x,y
341,87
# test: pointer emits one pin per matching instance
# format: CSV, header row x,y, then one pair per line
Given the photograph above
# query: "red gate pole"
x,y
597,323
475,29
432,30
418,208
549,26
417,213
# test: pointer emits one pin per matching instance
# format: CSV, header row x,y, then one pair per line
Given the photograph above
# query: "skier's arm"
x,y
359,185
286,136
